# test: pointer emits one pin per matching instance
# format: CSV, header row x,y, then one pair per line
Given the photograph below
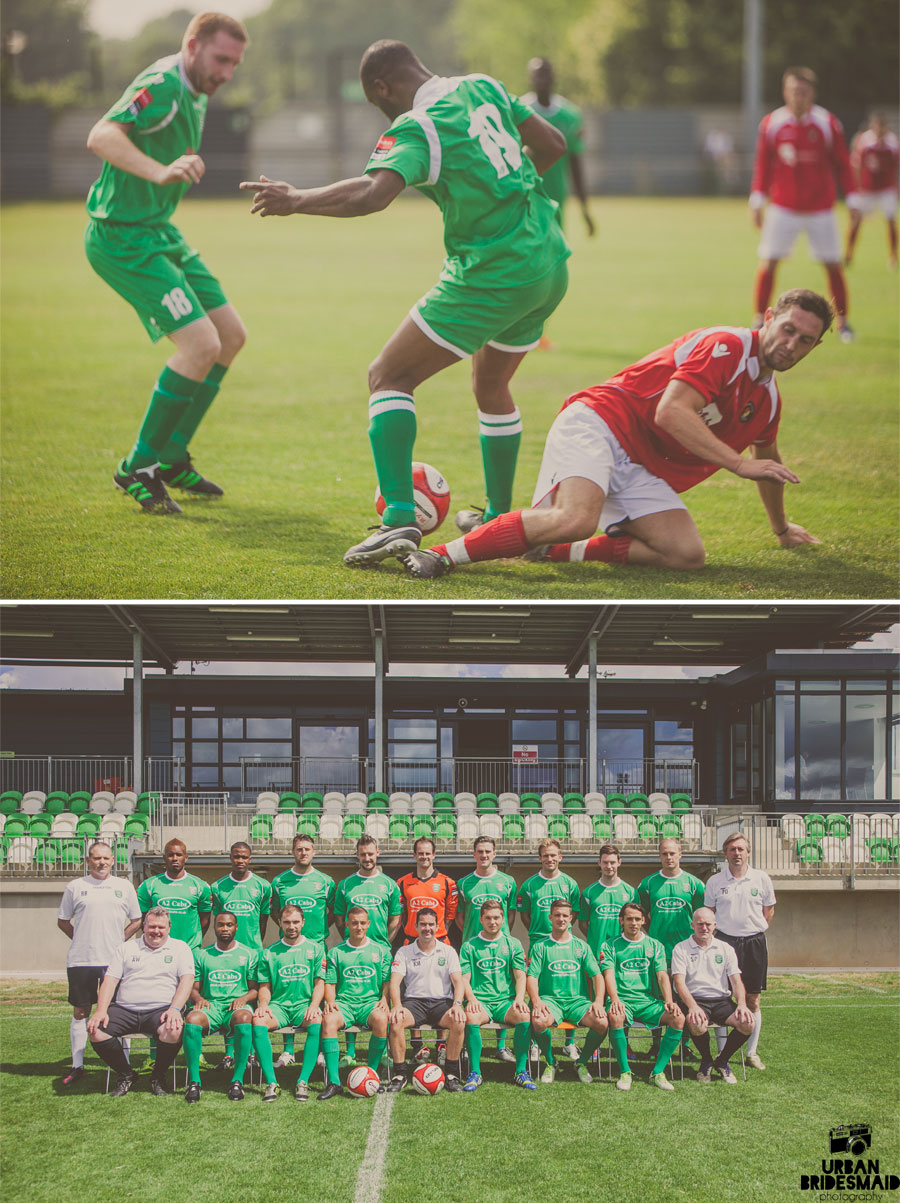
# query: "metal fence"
x,y
62,858
91,773
477,774
784,846
301,773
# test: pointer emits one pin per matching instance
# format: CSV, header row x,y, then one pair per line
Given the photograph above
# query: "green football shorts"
x,y
496,1008
220,1016
464,319
155,270
570,1011
289,1014
356,1014
648,1013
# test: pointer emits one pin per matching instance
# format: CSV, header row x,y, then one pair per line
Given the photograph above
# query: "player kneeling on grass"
x,y
493,965
705,974
560,971
291,975
618,455
225,983
356,986
433,998
634,964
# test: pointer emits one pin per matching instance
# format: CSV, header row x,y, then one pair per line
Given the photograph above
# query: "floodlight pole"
x,y
379,711
592,713
754,24
138,708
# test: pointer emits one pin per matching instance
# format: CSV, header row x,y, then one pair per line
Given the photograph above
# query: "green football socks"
x,y
311,1051
170,399
331,1050
671,1039
620,1045
262,1046
591,1044
474,1044
544,1043
193,1046
289,1043
243,1042
377,1045
392,435
351,1045
500,436
175,449
521,1045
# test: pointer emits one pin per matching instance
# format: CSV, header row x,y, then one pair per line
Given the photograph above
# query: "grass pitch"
x,y
287,436
830,1045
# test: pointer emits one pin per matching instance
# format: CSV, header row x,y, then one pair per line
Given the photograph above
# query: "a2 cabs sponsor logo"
x,y
607,909
240,906
563,967
175,904
671,904
418,904
544,904
636,965
224,977
292,971
486,963
358,973
366,900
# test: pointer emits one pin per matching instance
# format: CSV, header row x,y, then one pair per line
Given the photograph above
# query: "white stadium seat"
x,y
659,804
625,827
21,850
333,804
467,829
331,827
334,795
551,804
835,851
32,805
692,827
267,795
581,827
400,804
112,822
102,803
284,827
465,804
377,826
266,806
491,825
595,803
35,793
793,827
422,804
508,802
535,827
355,804
880,824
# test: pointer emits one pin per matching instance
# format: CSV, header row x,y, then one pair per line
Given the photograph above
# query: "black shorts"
x,y
716,1010
124,1021
427,1012
752,958
84,982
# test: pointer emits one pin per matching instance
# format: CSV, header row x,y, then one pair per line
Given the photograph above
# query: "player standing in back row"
x,y
460,141
149,142
875,158
799,151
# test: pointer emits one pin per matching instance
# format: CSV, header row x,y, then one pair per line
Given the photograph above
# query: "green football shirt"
x,y
224,975
291,970
635,964
566,117
671,902
358,974
313,892
185,898
379,895
460,146
164,118
600,906
474,891
563,969
247,900
491,964
535,896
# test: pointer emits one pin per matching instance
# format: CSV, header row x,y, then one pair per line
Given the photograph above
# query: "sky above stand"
x,y
125,18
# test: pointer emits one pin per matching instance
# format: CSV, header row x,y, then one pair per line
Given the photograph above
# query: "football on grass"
x,y
363,1081
431,495
428,1079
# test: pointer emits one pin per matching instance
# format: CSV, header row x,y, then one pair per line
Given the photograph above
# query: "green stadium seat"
x,y
400,827
81,795
530,803
670,827
287,804
487,804
680,802
137,825
40,825
71,854
445,827
354,826
638,803
443,800
261,827
78,806
312,800
837,825
16,825
573,804
378,803
121,855
9,804
602,827
809,852
56,803
12,793
558,827
46,854
423,825
881,850
308,824
513,827
815,824
616,803
648,828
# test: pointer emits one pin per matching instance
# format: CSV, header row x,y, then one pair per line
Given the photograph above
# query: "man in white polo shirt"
x,y
98,913
705,975
744,902
153,977
433,997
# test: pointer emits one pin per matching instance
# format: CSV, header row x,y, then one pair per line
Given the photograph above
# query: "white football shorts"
x,y
781,227
580,443
884,202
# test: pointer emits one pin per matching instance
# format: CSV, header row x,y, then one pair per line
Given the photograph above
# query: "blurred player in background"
x,y
618,455
149,142
875,157
799,152
461,142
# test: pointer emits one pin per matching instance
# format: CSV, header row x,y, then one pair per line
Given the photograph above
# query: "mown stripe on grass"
x,y
371,1172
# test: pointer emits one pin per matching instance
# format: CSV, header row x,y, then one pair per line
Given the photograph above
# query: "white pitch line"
x,y
852,985
825,1005
371,1172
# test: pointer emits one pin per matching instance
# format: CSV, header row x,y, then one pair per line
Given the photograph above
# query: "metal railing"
x,y
205,821
300,773
91,773
783,847
62,857
478,774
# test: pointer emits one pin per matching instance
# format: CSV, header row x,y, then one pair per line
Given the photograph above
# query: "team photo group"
x,y
425,953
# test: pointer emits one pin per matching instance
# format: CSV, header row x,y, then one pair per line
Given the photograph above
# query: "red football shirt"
x,y
437,892
721,363
876,161
797,159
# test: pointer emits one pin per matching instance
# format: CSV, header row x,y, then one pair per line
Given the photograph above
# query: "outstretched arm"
x,y
369,193
544,142
771,492
109,141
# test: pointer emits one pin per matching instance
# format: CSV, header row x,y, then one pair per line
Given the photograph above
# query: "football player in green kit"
x,y
634,968
493,968
670,897
560,971
291,986
460,141
224,986
602,901
149,142
357,976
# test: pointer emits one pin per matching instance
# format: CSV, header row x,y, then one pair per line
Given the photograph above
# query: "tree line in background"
x,y
608,53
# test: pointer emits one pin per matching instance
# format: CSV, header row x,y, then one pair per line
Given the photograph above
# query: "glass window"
x,y
205,728
819,748
178,728
673,751
865,686
231,777
268,728
784,686
412,751
232,728
616,743
327,740
819,686
177,749
205,776
572,729
446,741
412,728
866,747
234,750
529,730
785,764
673,731
204,753
739,758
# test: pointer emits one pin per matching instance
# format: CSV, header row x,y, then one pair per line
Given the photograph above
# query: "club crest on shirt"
x,y
384,145
787,152
747,412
